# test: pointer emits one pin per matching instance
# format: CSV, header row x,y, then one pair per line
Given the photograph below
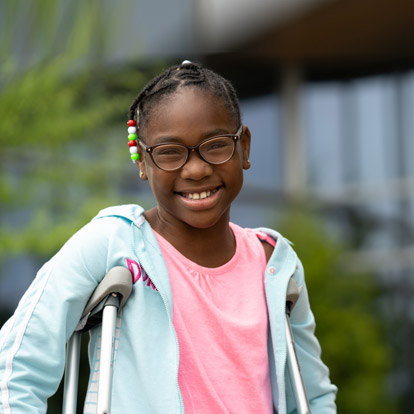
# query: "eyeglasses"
x,y
214,150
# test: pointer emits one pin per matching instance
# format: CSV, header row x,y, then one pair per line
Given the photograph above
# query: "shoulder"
x,y
100,243
108,223
129,212
282,251
268,250
267,241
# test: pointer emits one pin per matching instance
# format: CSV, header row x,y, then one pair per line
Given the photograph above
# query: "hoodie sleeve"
x,y
321,393
32,342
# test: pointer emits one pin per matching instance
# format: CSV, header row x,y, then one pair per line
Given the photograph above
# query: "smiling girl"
x,y
204,328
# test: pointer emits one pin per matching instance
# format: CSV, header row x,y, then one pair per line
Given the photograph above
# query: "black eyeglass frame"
x,y
236,137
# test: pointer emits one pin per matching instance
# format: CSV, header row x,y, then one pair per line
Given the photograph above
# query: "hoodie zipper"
x,y
164,300
177,347
282,409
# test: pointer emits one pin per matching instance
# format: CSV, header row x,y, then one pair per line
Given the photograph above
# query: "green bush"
x,y
348,317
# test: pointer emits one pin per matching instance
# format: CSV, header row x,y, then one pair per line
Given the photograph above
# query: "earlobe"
x,y
141,165
246,138
141,168
142,173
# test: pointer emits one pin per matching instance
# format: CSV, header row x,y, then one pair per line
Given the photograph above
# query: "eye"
x,y
168,150
218,144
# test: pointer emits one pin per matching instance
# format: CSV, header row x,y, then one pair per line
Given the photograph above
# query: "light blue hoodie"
x,y
32,342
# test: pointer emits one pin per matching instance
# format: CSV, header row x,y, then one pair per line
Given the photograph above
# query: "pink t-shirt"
x,y
220,317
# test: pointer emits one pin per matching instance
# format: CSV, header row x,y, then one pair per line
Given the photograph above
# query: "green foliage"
x,y
63,108
349,321
51,110
57,143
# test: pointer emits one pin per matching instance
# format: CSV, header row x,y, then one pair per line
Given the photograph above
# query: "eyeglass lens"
x,y
215,151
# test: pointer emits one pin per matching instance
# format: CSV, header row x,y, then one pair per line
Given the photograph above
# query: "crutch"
x,y
103,306
295,373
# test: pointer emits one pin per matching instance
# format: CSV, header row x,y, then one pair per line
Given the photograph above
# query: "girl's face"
x,y
198,194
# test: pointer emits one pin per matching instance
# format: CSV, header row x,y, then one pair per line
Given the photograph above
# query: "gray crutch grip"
x,y
117,280
115,288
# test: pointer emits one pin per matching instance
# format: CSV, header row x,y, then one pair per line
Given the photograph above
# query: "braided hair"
x,y
187,74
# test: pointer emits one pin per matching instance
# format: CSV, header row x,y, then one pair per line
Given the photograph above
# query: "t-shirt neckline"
x,y
226,267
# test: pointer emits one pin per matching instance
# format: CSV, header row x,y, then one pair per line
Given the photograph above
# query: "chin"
x,y
203,223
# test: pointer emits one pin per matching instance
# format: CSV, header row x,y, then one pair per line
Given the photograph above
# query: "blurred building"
x,y
328,89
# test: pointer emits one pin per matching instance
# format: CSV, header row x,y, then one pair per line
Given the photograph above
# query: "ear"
x,y
141,166
245,142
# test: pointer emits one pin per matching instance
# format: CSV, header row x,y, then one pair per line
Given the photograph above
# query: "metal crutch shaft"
x,y
109,317
295,373
70,387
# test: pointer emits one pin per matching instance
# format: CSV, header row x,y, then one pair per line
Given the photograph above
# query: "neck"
x,y
209,247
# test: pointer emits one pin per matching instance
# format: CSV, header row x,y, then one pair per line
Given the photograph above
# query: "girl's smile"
x,y
200,200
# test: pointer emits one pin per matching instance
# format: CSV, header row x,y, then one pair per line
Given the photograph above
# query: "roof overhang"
x,y
328,38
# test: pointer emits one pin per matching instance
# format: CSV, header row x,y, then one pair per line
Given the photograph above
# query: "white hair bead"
x,y
186,62
133,150
132,130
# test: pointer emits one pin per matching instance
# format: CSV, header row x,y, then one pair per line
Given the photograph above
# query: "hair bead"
x,y
132,140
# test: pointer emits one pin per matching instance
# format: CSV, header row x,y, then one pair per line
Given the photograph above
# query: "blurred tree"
x,y
60,153
63,111
348,315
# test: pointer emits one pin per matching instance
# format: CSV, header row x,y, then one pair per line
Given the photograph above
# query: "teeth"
x,y
199,196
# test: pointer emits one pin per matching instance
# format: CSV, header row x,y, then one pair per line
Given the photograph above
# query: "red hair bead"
x,y
132,143
131,122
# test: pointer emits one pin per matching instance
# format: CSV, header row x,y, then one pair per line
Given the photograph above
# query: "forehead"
x,y
188,110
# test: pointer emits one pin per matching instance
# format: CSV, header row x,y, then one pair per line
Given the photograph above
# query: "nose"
x,y
196,168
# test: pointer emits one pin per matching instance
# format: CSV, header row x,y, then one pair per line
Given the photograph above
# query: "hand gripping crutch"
x,y
103,306
295,373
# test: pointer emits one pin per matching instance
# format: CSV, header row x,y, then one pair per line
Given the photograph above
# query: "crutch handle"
x,y
110,295
117,280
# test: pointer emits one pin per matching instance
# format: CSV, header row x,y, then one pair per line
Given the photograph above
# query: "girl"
x,y
203,330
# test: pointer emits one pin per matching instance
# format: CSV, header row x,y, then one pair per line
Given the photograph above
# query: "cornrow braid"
x,y
187,74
